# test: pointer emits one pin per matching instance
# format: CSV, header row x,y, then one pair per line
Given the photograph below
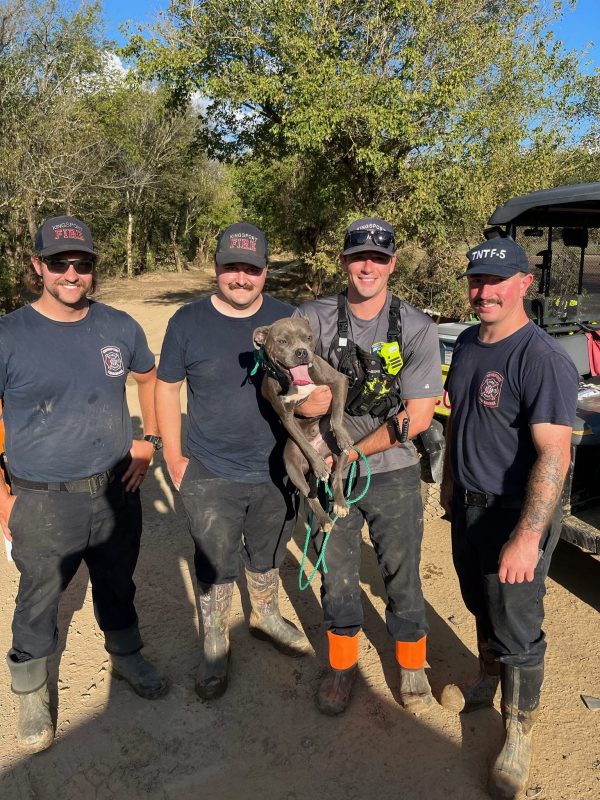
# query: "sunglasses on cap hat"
x,y
379,238
82,266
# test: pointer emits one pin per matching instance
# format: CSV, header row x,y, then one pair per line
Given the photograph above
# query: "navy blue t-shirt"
x,y
231,429
63,390
497,391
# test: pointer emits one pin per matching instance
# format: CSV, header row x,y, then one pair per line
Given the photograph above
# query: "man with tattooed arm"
x,y
513,392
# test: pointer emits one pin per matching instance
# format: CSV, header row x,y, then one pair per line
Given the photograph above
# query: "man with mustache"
x,y
513,391
230,480
75,469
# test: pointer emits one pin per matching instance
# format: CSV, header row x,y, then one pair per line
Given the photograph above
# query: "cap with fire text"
x,y
61,234
242,243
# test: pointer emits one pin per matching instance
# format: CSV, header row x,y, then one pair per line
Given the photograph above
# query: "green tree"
x,y
418,108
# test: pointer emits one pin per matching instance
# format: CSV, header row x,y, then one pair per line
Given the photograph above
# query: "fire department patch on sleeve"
x,y
113,361
490,389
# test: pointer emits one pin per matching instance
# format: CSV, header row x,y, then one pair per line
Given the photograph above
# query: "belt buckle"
x,y
96,482
476,499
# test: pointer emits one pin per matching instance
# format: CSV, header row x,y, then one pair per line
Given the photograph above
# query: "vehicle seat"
x,y
576,345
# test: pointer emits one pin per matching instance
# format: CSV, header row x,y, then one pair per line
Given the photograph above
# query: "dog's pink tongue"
x,y
300,375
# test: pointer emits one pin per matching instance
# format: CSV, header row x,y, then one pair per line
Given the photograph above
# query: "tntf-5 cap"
x,y
60,234
499,256
244,244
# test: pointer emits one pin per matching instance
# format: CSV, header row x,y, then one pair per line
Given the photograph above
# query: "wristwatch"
x,y
155,441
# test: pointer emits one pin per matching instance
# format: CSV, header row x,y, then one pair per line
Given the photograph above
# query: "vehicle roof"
x,y
576,204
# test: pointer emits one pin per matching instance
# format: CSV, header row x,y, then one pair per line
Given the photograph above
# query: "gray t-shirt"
x,y
63,390
421,375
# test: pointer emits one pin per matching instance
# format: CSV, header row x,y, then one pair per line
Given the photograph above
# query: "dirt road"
x,y
264,739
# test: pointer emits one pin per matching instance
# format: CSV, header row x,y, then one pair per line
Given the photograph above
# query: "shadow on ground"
x,y
264,739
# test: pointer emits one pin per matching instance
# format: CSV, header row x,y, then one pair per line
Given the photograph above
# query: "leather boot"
x,y
415,691
140,674
335,689
266,621
521,687
482,692
215,605
29,680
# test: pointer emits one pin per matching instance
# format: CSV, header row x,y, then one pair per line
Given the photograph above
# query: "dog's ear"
x,y
259,337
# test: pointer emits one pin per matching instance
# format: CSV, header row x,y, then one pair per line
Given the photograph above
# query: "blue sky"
x,y
579,28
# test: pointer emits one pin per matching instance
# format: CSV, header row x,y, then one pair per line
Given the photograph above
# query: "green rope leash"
x,y
259,360
351,501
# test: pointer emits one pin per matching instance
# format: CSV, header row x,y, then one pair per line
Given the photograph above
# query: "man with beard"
x,y
75,470
513,391
230,481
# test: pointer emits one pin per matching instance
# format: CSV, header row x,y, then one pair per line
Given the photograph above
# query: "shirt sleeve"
x,y
171,366
421,375
143,358
550,390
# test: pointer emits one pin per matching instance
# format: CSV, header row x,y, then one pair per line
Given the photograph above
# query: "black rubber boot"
x,y
482,692
266,621
521,687
215,605
140,674
415,691
335,691
29,680
128,664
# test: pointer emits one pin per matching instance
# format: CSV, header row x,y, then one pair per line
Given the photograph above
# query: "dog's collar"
x,y
262,361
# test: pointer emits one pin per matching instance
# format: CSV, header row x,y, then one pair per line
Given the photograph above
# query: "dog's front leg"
x,y
340,506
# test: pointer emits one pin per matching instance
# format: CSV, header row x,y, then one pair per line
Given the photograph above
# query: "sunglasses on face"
x,y
380,238
82,266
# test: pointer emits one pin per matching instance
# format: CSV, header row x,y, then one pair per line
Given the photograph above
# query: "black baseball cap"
x,y
369,234
60,234
242,243
500,256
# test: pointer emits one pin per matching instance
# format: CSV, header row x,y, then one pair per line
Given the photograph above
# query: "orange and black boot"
x,y
415,691
336,687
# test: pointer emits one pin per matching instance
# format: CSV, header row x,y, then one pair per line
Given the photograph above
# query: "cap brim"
x,y
367,247
238,258
65,247
501,272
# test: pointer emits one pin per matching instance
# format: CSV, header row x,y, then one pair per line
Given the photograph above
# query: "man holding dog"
x,y
231,481
75,470
390,352
513,392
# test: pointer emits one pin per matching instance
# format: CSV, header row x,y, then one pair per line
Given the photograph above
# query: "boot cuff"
x,y
27,676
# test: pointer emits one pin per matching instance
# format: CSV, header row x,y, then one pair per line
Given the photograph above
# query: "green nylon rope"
x,y
350,501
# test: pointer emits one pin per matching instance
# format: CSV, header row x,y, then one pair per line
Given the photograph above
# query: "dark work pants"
x,y
52,532
393,511
510,614
226,517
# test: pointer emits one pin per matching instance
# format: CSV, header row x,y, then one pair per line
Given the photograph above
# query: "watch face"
x,y
156,441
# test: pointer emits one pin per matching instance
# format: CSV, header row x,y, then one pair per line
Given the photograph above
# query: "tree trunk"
x,y
175,246
130,245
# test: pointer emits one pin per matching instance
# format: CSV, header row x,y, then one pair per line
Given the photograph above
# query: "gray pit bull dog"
x,y
292,372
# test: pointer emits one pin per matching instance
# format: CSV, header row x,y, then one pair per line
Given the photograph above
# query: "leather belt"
x,y
91,484
483,500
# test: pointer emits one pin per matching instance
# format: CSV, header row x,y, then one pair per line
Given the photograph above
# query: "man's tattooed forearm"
x,y
543,489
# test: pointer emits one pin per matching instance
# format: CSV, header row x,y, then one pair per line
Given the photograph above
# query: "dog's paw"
x,y
345,442
321,470
342,510
327,526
